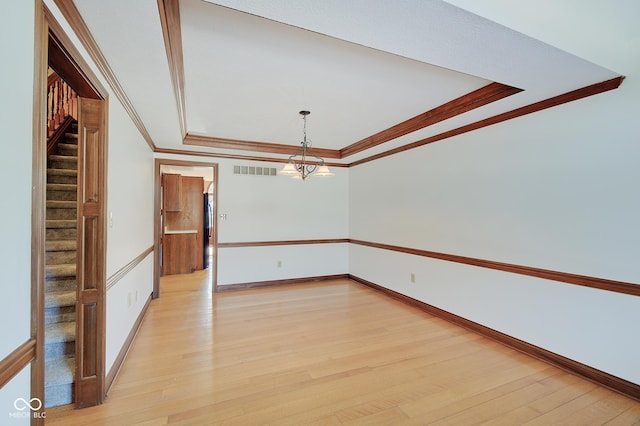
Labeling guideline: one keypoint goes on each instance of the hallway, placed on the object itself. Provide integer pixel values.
(329, 353)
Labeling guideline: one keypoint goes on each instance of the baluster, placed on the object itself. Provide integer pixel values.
(50, 111)
(56, 108)
(74, 105)
(62, 101)
(60, 111)
(65, 98)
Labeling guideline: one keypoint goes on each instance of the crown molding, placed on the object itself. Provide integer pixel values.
(573, 95)
(271, 148)
(470, 101)
(236, 156)
(170, 21)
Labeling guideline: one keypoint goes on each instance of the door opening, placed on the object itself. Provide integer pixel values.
(185, 219)
(71, 193)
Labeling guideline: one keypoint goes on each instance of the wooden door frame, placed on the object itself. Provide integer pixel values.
(156, 219)
(78, 75)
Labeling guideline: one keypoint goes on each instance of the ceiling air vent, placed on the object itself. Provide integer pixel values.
(256, 171)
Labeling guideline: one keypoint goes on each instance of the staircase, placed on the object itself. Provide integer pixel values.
(61, 255)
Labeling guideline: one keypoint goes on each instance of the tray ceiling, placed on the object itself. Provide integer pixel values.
(229, 77)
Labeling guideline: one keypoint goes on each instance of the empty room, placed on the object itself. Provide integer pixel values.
(320, 212)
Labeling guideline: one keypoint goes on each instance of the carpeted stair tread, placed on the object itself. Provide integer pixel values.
(60, 332)
(60, 271)
(61, 223)
(57, 271)
(61, 284)
(59, 314)
(61, 258)
(56, 299)
(62, 172)
(66, 158)
(55, 396)
(57, 204)
(61, 210)
(61, 245)
(59, 350)
(69, 176)
(59, 371)
(63, 161)
(61, 186)
(68, 147)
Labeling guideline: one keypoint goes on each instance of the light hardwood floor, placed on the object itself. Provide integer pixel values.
(330, 353)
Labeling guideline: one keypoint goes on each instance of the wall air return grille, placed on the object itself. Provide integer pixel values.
(256, 171)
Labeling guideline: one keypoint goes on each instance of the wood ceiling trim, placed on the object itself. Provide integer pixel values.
(272, 148)
(472, 100)
(170, 19)
(69, 71)
(574, 95)
(236, 156)
(172, 32)
(483, 96)
(73, 17)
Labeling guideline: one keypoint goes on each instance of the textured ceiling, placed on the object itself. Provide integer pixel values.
(359, 66)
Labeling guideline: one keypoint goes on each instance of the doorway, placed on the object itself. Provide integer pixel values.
(209, 193)
(69, 226)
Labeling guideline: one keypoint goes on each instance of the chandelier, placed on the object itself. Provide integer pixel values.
(298, 166)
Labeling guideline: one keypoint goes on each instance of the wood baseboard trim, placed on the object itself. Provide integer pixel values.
(277, 283)
(13, 363)
(283, 243)
(117, 364)
(607, 380)
(581, 280)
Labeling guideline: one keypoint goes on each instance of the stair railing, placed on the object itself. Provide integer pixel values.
(62, 110)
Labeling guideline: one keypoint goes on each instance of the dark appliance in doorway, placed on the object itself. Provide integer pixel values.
(207, 222)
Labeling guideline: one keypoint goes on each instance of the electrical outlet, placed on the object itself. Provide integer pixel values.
(413, 277)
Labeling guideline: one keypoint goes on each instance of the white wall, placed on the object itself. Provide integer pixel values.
(130, 191)
(277, 208)
(130, 232)
(260, 208)
(253, 264)
(125, 301)
(556, 189)
(16, 388)
(16, 120)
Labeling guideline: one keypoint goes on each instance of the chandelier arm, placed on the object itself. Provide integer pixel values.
(299, 160)
(320, 159)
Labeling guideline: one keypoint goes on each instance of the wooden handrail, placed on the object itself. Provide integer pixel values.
(58, 135)
(62, 102)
